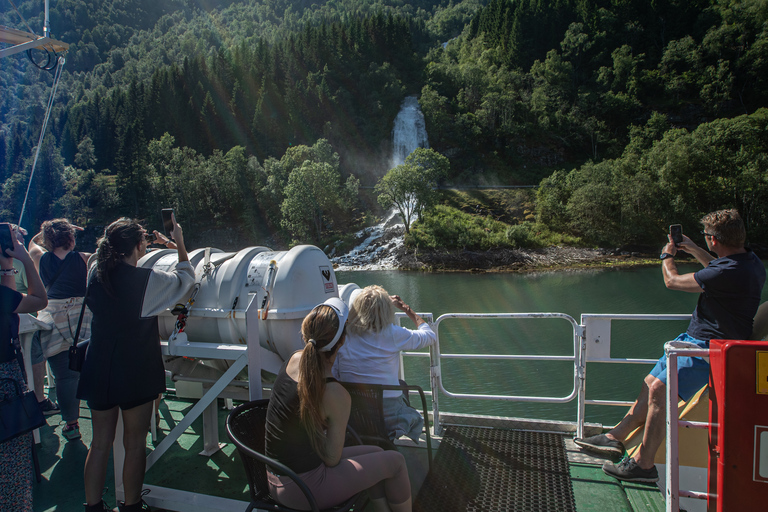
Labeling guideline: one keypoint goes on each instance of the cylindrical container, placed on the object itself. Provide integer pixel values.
(286, 285)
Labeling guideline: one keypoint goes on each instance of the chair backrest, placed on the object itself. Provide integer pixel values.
(367, 414)
(246, 425)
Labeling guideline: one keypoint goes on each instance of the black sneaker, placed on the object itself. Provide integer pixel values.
(601, 445)
(49, 407)
(629, 471)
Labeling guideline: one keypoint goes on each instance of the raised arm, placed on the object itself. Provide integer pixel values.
(399, 304)
(702, 255)
(672, 278)
(36, 249)
(36, 297)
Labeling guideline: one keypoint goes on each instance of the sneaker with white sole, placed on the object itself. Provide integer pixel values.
(629, 471)
(71, 432)
(601, 445)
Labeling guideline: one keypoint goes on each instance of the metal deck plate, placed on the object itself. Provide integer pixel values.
(479, 469)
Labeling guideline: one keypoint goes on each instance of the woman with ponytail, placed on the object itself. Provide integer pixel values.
(123, 368)
(306, 426)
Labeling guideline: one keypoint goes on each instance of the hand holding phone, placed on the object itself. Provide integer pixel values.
(676, 233)
(167, 214)
(6, 239)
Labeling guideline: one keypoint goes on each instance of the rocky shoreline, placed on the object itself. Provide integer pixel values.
(382, 248)
(520, 260)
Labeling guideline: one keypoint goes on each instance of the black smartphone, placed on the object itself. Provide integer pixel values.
(676, 232)
(151, 237)
(167, 214)
(6, 237)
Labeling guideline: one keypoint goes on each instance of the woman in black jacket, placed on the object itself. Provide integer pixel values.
(123, 368)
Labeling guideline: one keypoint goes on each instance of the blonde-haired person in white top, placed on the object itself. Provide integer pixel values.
(371, 353)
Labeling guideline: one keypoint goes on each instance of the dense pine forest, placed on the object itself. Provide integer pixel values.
(273, 118)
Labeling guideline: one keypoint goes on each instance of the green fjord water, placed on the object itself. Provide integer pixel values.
(624, 291)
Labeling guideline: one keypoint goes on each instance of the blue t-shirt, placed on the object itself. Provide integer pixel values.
(9, 321)
(731, 294)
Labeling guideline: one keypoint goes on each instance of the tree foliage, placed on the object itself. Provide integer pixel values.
(410, 187)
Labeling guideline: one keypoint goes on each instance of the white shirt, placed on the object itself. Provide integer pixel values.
(374, 357)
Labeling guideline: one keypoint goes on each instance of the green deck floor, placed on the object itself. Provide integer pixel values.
(61, 489)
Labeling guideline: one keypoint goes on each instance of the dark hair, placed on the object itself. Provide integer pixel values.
(726, 226)
(119, 240)
(318, 330)
(57, 233)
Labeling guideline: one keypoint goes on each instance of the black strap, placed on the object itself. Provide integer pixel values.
(82, 312)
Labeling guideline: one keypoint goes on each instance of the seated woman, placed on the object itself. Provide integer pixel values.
(371, 353)
(306, 425)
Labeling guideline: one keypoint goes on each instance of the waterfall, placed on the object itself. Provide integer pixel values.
(409, 131)
(378, 244)
(376, 251)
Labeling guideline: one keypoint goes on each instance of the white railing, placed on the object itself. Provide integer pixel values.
(674, 349)
(591, 343)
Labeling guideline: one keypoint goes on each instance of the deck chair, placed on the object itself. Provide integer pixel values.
(246, 426)
(367, 414)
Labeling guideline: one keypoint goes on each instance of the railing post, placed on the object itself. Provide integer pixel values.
(434, 378)
(672, 459)
(581, 371)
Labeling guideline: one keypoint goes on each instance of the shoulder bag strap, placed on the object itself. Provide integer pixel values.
(82, 312)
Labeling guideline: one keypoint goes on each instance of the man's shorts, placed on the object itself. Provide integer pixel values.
(692, 372)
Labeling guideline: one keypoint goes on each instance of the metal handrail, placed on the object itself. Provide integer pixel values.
(436, 358)
(580, 357)
(674, 349)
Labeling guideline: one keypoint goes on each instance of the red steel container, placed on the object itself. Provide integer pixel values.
(738, 432)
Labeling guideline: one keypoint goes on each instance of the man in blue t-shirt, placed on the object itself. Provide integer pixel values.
(729, 289)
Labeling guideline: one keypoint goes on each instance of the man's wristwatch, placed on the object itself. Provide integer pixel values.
(666, 255)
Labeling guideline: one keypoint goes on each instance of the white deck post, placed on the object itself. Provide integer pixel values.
(672, 460)
(254, 349)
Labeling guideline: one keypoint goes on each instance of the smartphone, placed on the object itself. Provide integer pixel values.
(6, 238)
(167, 214)
(151, 237)
(676, 232)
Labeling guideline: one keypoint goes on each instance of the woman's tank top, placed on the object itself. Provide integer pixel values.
(71, 281)
(287, 441)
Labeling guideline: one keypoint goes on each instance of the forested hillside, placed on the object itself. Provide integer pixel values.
(633, 113)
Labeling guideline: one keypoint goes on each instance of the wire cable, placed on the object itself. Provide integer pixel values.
(56, 78)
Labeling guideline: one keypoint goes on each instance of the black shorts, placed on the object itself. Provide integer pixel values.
(124, 406)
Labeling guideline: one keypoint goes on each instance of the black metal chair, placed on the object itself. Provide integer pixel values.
(367, 414)
(246, 426)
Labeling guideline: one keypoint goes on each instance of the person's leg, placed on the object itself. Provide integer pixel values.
(636, 416)
(400, 419)
(66, 387)
(95, 473)
(655, 423)
(376, 471)
(136, 427)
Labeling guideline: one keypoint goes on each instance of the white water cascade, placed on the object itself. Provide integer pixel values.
(377, 249)
(409, 131)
